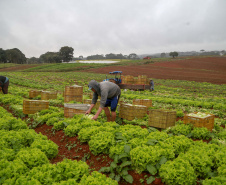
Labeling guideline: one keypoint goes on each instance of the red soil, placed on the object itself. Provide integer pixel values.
(18, 68)
(209, 69)
(82, 151)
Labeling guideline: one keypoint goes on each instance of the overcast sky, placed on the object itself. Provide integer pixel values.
(112, 26)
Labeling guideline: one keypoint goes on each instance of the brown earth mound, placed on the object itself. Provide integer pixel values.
(209, 69)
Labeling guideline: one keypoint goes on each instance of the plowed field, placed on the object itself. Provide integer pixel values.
(209, 69)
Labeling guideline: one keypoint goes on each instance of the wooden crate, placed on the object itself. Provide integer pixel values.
(128, 79)
(74, 90)
(130, 112)
(46, 95)
(207, 122)
(33, 106)
(145, 102)
(142, 76)
(142, 79)
(34, 93)
(162, 118)
(89, 101)
(71, 109)
(77, 98)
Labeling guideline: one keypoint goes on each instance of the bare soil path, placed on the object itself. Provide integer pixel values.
(209, 69)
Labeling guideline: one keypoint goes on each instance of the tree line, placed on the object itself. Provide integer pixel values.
(112, 56)
(65, 54)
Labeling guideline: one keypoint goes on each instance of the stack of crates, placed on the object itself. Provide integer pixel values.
(34, 93)
(162, 118)
(33, 106)
(73, 93)
(130, 112)
(145, 102)
(142, 79)
(71, 109)
(207, 121)
(128, 79)
(47, 95)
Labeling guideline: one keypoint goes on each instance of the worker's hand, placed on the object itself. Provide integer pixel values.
(95, 117)
(88, 112)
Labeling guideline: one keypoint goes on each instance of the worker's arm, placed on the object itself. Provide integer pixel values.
(90, 108)
(97, 113)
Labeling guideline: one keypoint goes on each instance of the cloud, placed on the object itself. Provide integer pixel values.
(104, 26)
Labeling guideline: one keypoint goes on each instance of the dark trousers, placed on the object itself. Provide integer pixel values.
(5, 87)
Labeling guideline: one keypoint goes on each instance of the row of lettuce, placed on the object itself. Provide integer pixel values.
(181, 105)
(170, 154)
(164, 153)
(24, 158)
(57, 81)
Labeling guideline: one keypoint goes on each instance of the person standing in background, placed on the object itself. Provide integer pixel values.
(152, 85)
(4, 84)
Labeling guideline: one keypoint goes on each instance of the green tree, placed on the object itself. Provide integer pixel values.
(173, 54)
(3, 58)
(15, 56)
(66, 53)
(50, 57)
(133, 56)
(163, 55)
(33, 60)
(95, 57)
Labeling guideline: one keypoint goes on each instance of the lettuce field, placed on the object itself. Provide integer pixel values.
(48, 148)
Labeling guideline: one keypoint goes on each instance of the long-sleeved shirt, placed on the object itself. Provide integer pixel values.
(105, 90)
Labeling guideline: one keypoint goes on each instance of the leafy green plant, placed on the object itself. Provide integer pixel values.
(200, 133)
(101, 142)
(180, 129)
(144, 156)
(119, 167)
(177, 172)
(46, 146)
(32, 157)
(199, 160)
(214, 180)
(97, 178)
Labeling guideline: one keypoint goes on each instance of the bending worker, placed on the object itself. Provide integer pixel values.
(109, 93)
(4, 84)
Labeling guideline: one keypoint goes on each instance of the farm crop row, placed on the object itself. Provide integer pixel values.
(131, 148)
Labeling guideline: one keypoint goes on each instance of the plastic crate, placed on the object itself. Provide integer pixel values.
(130, 112)
(33, 106)
(46, 95)
(71, 109)
(145, 102)
(128, 79)
(207, 122)
(74, 90)
(34, 93)
(77, 98)
(162, 118)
